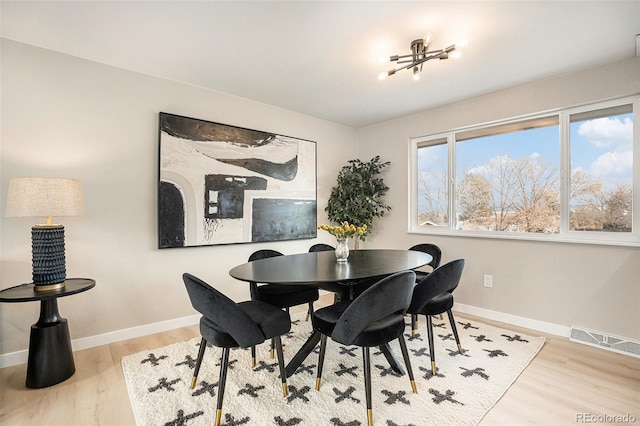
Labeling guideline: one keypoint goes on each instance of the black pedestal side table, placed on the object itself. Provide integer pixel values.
(50, 355)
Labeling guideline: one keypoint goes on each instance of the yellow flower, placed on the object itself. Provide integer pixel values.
(345, 230)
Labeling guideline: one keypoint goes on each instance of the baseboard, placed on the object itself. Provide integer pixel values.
(20, 357)
(542, 326)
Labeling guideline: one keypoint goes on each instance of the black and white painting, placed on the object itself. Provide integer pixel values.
(221, 184)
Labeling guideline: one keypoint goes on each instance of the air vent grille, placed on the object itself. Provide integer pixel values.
(601, 340)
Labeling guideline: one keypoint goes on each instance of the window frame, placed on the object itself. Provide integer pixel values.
(565, 234)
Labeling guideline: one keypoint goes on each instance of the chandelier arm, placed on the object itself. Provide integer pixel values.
(436, 54)
(419, 56)
(399, 58)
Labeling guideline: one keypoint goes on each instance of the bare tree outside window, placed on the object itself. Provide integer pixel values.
(508, 176)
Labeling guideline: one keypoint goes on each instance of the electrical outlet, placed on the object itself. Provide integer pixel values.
(488, 281)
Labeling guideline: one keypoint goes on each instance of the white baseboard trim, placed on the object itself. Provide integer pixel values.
(542, 326)
(20, 357)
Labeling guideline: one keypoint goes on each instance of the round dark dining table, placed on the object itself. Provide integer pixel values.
(317, 268)
(322, 267)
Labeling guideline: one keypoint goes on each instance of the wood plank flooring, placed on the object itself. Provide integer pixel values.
(564, 384)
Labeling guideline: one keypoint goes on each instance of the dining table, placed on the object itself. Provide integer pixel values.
(323, 270)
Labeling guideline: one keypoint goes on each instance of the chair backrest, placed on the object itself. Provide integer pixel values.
(263, 254)
(390, 295)
(321, 247)
(257, 255)
(222, 311)
(431, 249)
(442, 279)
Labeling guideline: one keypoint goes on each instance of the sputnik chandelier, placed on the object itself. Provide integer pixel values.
(420, 54)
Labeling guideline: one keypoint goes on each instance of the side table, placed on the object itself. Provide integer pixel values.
(50, 355)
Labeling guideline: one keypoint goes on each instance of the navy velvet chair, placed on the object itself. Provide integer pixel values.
(433, 296)
(227, 325)
(374, 318)
(436, 256)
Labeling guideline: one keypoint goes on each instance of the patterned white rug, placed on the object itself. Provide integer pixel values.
(463, 390)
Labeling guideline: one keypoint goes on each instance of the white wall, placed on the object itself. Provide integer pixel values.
(592, 286)
(67, 117)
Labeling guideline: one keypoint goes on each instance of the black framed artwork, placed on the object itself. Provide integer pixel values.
(221, 184)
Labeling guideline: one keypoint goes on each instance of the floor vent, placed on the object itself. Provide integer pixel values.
(605, 341)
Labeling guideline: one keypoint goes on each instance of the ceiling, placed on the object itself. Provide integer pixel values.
(321, 58)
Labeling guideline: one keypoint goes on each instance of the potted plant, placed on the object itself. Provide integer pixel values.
(357, 197)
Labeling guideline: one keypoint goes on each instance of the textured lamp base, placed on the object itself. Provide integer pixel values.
(48, 260)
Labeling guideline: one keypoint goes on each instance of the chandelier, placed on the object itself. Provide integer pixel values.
(420, 54)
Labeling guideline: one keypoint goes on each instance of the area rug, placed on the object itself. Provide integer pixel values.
(464, 388)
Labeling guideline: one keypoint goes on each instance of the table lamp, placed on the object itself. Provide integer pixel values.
(46, 197)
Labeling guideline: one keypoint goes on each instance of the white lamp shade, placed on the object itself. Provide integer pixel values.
(44, 197)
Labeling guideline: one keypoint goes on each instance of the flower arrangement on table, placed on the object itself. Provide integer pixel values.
(346, 230)
(343, 233)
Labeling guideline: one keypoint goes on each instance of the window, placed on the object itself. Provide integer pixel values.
(566, 175)
(601, 170)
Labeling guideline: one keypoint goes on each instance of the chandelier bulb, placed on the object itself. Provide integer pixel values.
(416, 74)
(461, 44)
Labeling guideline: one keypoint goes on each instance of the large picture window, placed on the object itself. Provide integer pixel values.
(567, 175)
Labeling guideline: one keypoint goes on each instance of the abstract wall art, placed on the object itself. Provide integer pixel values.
(221, 184)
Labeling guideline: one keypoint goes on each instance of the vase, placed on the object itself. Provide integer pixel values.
(342, 249)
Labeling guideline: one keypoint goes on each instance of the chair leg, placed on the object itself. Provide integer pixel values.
(407, 362)
(253, 357)
(224, 364)
(283, 374)
(455, 330)
(309, 311)
(414, 325)
(432, 352)
(323, 349)
(273, 348)
(367, 384)
(203, 346)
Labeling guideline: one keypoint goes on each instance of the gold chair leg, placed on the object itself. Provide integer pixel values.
(218, 416)
(370, 417)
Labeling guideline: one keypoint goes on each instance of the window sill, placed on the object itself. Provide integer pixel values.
(630, 241)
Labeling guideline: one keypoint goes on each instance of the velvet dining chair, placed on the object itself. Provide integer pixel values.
(436, 255)
(227, 324)
(433, 296)
(280, 295)
(336, 288)
(321, 247)
(374, 318)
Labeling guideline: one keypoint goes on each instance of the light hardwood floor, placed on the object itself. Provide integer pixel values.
(565, 381)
